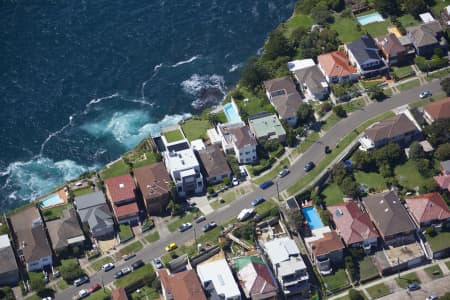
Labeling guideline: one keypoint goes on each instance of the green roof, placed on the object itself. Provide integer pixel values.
(266, 126)
(240, 262)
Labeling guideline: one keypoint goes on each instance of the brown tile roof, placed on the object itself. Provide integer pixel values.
(443, 181)
(425, 34)
(336, 64)
(428, 207)
(286, 103)
(390, 44)
(391, 128)
(329, 243)
(121, 188)
(153, 180)
(214, 161)
(439, 109)
(283, 83)
(182, 285)
(242, 136)
(63, 229)
(388, 213)
(119, 294)
(353, 225)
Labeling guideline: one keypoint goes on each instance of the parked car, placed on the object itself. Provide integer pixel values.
(245, 214)
(425, 94)
(200, 219)
(82, 280)
(209, 226)
(266, 184)
(118, 274)
(137, 264)
(327, 150)
(184, 227)
(432, 297)
(158, 263)
(171, 246)
(413, 287)
(242, 171)
(94, 288)
(83, 293)
(283, 172)
(257, 201)
(107, 267)
(129, 256)
(235, 181)
(309, 166)
(126, 270)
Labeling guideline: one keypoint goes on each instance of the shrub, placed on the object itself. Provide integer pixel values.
(430, 231)
(340, 111)
(355, 295)
(210, 190)
(70, 270)
(326, 107)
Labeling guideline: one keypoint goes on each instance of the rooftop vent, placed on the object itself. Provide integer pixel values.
(339, 212)
(381, 201)
(386, 209)
(121, 185)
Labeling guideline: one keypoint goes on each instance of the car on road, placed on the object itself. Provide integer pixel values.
(83, 293)
(257, 201)
(185, 227)
(432, 297)
(309, 166)
(209, 226)
(245, 214)
(158, 263)
(171, 246)
(126, 270)
(327, 150)
(129, 256)
(266, 184)
(47, 298)
(94, 288)
(118, 274)
(413, 287)
(137, 264)
(235, 181)
(107, 267)
(283, 172)
(200, 219)
(425, 94)
(82, 280)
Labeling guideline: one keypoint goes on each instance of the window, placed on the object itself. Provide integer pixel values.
(247, 152)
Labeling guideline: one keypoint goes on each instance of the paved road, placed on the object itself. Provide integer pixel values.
(436, 287)
(315, 153)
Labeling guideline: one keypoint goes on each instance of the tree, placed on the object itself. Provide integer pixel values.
(338, 90)
(277, 45)
(234, 165)
(445, 85)
(362, 160)
(213, 119)
(430, 231)
(390, 154)
(414, 7)
(340, 111)
(376, 93)
(439, 132)
(305, 113)
(443, 152)
(428, 186)
(70, 270)
(424, 167)
(416, 151)
(174, 207)
(253, 74)
(321, 14)
(387, 7)
(325, 216)
(227, 180)
(7, 293)
(350, 187)
(355, 295)
(338, 173)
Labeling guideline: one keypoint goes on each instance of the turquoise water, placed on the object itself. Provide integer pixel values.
(312, 217)
(231, 113)
(372, 18)
(52, 200)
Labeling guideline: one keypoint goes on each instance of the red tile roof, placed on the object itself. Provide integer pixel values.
(119, 294)
(443, 181)
(182, 285)
(439, 109)
(428, 207)
(353, 225)
(126, 210)
(336, 64)
(329, 243)
(120, 188)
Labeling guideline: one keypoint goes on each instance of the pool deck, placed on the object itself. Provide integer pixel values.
(61, 193)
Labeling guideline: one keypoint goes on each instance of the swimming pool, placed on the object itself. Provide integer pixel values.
(51, 200)
(371, 18)
(312, 217)
(231, 113)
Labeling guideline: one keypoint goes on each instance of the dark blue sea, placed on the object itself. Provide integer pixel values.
(84, 81)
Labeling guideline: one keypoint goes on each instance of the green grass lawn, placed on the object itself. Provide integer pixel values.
(367, 269)
(408, 85)
(152, 237)
(434, 272)
(195, 129)
(134, 276)
(265, 206)
(97, 265)
(273, 173)
(131, 248)
(353, 105)
(378, 291)
(408, 176)
(173, 136)
(372, 180)
(116, 169)
(377, 28)
(82, 191)
(125, 231)
(440, 241)
(99, 294)
(228, 197)
(298, 21)
(331, 121)
(332, 194)
(439, 6)
(408, 20)
(337, 280)
(145, 293)
(401, 72)
(346, 28)
(173, 226)
(255, 104)
(369, 84)
(438, 74)
(150, 158)
(55, 212)
(406, 279)
(62, 284)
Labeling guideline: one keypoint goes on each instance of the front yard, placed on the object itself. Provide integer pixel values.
(440, 241)
(434, 272)
(367, 269)
(406, 279)
(337, 280)
(125, 232)
(178, 221)
(379, 290)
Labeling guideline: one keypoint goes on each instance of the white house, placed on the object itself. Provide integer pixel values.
(238, 138)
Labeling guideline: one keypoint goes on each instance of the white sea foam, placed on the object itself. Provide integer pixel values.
(208, 89)
(234, 67)
(193, 58)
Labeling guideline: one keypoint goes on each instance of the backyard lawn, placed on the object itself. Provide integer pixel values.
(82, 191)
(298, 21)
(372, 180)
(150, 158)
(145, 293)
(440, 241)
(367, 269)
(378, 291)
(408, 20)
(337, 280)
(406, 279)
(332, 194)
(346, 28)
(97, 265)
(173, 136)
(116, 169)
(408, 176)
(195, 129)
(55, 212)
(434, 272)
(377, 28)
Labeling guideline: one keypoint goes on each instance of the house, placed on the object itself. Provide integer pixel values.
(215, 165)
(365, 56)
(288, 266)
(393, 50)
(238, 139)
(94, 212)
(445, 167)
(353, 226)
(443, 181)
(121, 193)
(284, 97)
(255, 278)
(426, 38)
(325, 248)
(9, 272)
(266, 126)
(438, 110)
(154, 185)
(398, 129)
(119, 294)
(217, 280)
(30, 239)
(336, 67)
(390, 218)
(184, 169)
(428, 209)
(312, 82)
(65, 232)
(181, 285)
(445, 16)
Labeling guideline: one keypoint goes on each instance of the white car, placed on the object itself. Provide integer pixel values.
(126, 270)
(83, 293)
(235, 181)
(107, 267)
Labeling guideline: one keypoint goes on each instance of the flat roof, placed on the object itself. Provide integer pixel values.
(266, 126)
(299, 64)
(219, 273)
(181, 160)
(281, 249)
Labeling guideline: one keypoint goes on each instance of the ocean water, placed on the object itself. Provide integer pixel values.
(83, 81)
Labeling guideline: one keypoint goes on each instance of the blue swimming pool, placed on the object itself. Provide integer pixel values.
(51, 200)
(231, 113)
(312, 217)
(371, 18)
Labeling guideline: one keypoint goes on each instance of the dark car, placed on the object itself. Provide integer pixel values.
(327, 150)
(209, 226)
(413, 287)
(425, 94)
(266, 184)
(129, 256)
(309, 166)
(82, 280)
(137, 264)
(118, 274)
(200, 219)
(257, 201)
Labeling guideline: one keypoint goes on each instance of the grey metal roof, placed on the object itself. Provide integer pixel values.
(90, 200)
(445, 165)
(312, 78)
(63, 229)
(7, 258)
(364, 49)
